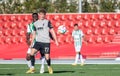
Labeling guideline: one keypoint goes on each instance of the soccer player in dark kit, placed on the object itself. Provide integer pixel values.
(43, 28)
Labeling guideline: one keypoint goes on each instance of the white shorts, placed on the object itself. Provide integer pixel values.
(29, 49)
(78, 48)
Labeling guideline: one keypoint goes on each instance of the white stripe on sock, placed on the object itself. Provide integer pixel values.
(29, 63)
(76, 58)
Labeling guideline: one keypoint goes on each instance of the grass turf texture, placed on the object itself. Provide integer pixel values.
(62, 70)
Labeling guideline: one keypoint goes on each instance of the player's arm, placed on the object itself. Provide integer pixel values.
(33, 36)
(84, 38)
(28, 36)
(53, 33)
(72, 35)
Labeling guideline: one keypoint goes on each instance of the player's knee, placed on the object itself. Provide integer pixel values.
(28, 57)
(42, 55)
(47, 57)
(33, 51)
(77, 52)
(32, 58)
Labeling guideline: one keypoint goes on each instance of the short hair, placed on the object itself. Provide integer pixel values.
(34, 14)
(43, 11)
(75, 25)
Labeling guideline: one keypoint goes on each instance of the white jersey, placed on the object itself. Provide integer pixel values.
(30, 28)
(77, 35)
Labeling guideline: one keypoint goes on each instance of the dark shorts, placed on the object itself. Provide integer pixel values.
(43, 47)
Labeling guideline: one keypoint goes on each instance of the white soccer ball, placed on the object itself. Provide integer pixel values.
(62, 29)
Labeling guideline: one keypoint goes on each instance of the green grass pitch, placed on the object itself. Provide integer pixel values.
(63, 70)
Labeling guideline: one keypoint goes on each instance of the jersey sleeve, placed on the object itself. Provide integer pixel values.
(50, 25)
(28, 29)
(73, 34)
(82, 34)
(34, 28)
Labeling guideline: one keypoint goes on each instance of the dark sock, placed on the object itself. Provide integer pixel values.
(32, 60)
(49, 62)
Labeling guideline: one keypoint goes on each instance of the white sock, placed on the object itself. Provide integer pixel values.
(81, 59)
(48, 66)
(42, 63)
(76, 58)
(29, 63)
(32, 67)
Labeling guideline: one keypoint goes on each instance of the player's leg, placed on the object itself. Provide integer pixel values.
(28, 58)
(32, 62)
(32, 58)
(47, 56)
(46, 50)
(77, 50)
(81, 59)
(81, 56)
(42, 63)
(76, 58)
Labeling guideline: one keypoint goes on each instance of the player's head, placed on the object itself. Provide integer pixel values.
(35, 17)
(42, 14)
(76, 27)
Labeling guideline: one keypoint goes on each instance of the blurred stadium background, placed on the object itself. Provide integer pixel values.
(99, 20)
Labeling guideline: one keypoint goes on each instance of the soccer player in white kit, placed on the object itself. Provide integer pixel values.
(77, 35)
(31, 61)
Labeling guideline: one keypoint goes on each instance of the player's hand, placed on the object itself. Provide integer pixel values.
(56, 42)
(86, 43)
(30, 46)
(28, 42)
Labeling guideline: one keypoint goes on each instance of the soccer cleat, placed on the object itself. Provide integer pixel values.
(50, 70)
(74, 64)
(42, 70)
(30, 71)
(82, 64)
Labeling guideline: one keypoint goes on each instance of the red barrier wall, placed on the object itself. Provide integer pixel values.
(102, 32)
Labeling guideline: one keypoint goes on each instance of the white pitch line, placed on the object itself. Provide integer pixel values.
(70, 68)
